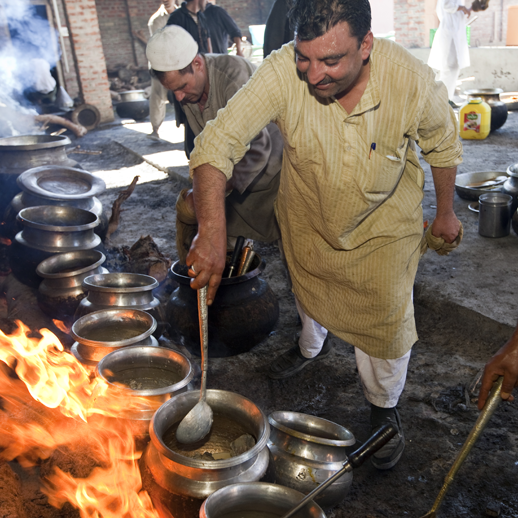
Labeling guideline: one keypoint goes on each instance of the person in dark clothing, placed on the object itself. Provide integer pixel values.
(191, 18)
(221, 27)
(277, 31)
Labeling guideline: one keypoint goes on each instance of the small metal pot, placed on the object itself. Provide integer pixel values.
(257, 499)
(122, 290)
(136, 109)
(61, 290)
(58, 229)
(140, 379)
(305, 451)
(197, 478)
(133, 95)
(494, 216)
(105, 331)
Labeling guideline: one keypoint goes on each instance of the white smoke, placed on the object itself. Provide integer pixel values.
(27, 37)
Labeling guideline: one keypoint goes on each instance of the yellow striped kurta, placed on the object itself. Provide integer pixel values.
(351, 220)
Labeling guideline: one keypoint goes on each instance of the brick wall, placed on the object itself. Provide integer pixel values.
(89, 56)
(413, 20)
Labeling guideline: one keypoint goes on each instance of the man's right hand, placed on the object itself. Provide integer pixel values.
(208, 251)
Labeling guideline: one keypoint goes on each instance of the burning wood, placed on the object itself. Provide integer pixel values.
(77, 129)
(145, 257)
(49, 411)
(113, 223)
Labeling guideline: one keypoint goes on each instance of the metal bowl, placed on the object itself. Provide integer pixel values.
(71, 265)
(33, 142)
(58, 229)
(133, 95)
(462, 181)
(60, 183)
(511, 99)
(256, 498)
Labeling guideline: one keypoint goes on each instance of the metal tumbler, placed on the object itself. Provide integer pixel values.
(494, 217)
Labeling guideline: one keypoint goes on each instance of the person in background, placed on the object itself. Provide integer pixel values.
(190, 16)
(222, 28)
(350, 108)
(503, 363)
(203, 84)
(158, 96)
(450, 52)
(277, 31)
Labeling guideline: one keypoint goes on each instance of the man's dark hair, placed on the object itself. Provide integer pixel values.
(159, 74)
(311, 19)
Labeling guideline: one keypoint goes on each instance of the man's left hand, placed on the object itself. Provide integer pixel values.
(446, 226)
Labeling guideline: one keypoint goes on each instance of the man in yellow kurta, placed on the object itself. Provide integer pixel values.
(350, 108)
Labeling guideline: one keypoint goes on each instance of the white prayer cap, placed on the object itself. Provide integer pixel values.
(171, 48)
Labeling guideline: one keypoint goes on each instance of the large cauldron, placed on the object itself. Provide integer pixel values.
(492, 97)
(244, 312)
(198, 478)
(134, 105)
(17, 154)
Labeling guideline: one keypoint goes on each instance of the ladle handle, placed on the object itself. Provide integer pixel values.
(204, 337)
(356, 459)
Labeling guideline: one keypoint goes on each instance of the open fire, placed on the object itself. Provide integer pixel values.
(50, 403)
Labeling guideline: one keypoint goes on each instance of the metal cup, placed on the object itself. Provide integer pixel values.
(494, 217)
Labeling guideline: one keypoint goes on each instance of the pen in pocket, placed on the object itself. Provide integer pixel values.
(373, 148)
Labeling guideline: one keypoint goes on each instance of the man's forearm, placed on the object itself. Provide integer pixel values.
(239, 46)
(444, 182)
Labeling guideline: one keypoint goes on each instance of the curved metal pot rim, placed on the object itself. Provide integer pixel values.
(91, 282)
(23, 142)
(273, 420)
(162, 449)
(225, 281)
(69, 256)
(512, 170)
(24, 215)
(30, 181)
(94, 241)
(119, 343)
(484, 91)
(155, 352)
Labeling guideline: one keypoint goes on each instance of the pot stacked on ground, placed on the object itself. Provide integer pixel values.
(133, 105)
(123, 291)
(492, 97)
(102, 332)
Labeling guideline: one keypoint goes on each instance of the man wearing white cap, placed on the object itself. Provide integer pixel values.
(203, 84)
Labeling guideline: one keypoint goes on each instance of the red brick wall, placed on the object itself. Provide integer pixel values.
(88, 50)
(409, 24)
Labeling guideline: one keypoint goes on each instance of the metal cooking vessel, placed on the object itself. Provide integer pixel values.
(122, 290)
(257, 499)
(472, 193)
(133, 95)
(102, 332)
(198, 478)
(146, 375)
(58, 229)
(61, 290)
(492, 97)
(305, 451)
(17, 154)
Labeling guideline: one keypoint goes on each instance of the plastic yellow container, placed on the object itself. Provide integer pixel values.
(475, 119)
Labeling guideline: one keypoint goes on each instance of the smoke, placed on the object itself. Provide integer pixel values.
(24, 36)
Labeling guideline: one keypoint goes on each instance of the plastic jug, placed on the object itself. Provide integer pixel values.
(475, 119)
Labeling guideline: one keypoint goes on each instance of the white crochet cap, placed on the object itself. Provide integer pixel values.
(171, 48)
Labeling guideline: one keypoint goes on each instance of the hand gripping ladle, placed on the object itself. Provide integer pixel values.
(198, 422)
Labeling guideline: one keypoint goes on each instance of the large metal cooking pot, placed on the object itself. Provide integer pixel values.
(122, 290)
(61, 290)
(198, 478)
(105, 331)
(133, 105)
(58, 229)
(244, 312)
(464, 181)
(305, 451)
(17, 154)
(133, 95)
(258, 499)
(492, 97)
(140, 379)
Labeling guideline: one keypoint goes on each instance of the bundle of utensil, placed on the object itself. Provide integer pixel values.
(242, 257)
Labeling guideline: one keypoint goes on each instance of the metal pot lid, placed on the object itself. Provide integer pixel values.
(61, 183)
(33, 142)
(484, 91)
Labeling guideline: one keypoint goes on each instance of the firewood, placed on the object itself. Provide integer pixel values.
(113, 223)
(77, 129)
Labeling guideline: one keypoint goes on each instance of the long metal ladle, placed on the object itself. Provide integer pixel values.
(198, 422)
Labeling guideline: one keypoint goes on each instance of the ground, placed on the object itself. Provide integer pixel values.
(438, 406)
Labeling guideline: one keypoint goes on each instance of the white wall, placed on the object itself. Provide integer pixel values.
(382, 16)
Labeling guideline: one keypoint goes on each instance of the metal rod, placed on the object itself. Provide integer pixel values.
(58, 21)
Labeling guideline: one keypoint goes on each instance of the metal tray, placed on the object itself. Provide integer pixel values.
(511, 99)
(462, 181)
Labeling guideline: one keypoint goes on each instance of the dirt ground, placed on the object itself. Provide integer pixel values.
(438, 406)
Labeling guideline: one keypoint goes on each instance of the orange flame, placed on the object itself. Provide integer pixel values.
(4, 240)
(50, 402)
(61, 326)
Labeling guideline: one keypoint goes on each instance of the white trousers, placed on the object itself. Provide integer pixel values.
(450, 73)
(383, 381)
(157, 102)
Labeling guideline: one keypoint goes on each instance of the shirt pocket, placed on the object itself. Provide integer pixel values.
(382, 169)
